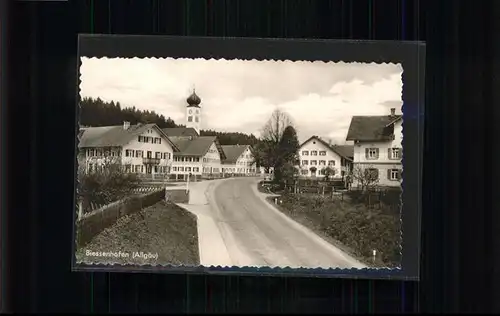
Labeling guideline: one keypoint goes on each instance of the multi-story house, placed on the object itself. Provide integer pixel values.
(198, 157)
(317, 155)
(143, 148)
(378, 146)
(239, 160)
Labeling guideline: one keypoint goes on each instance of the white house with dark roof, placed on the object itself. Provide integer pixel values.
(142, 148)
(200, 157)
(239, 160)
(378, 146)
(316, 155)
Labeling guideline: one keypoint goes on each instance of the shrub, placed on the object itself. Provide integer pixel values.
(108, 185)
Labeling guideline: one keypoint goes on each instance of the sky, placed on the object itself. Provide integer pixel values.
(239, 96)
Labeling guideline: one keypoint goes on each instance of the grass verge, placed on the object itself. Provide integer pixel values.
(351, 226)
(164, 229)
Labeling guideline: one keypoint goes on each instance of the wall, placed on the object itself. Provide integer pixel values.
(191, 164)
(95, 222)
(164, 147)
(318, 146)
(212, 160)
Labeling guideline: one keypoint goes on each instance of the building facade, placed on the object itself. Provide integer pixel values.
(143, 149)
(197, 158)
(378, 148)
(319, 158)
(239, 161)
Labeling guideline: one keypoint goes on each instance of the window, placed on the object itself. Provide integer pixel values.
(137, 168)
(197, 159)
(394, 174)
(139, 139)
(190, 118)
(371, 174)
(305, 153)
(371, 153)
(331, 163)
(188, 168)
(138, 153)
(305, 162)
(196, 169)
(322, 162)
(314, 162)
(196, 119)
(394, 153)
(156, 169)
(142, 169)
(314, 152)
(322, 153)
(181, 168)
(174, 168)
(157, 155)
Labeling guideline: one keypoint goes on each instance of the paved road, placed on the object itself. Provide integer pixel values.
(257, 234)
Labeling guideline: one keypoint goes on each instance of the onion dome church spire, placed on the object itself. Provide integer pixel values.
(193, 100)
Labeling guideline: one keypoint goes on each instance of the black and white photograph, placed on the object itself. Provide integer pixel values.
(239, 163)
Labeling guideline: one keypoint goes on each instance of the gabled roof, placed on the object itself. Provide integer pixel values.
(344, 151)
(233, 152)
(180, 131)
(372, 128)
(115, 136)
(198, 146)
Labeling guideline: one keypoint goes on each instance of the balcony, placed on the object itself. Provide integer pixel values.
(151, 161)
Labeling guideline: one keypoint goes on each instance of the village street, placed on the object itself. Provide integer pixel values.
(238, 227)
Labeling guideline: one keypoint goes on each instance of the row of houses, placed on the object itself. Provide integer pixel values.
(181, 152)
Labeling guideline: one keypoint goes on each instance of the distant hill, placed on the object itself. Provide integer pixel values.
(96, 112)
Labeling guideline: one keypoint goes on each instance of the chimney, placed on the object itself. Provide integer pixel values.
(393, 111)
(329, 142)
(126, 125)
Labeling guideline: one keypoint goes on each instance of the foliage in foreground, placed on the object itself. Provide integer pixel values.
(107, 186)
(360, 229)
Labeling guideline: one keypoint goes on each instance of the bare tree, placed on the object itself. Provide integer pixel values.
(365, 177)
(275, 126)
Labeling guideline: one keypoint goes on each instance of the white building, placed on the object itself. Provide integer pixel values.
(239, 160)
(317, 155)
(143, 148)
(198, 157)
(378, 146)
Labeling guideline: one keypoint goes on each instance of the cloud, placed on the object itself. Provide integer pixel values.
(241, 95)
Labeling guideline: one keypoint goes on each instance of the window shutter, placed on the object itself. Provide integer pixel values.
(389, 174)
(389, 153)
(399, 174)
(366, 153)
(377, 152)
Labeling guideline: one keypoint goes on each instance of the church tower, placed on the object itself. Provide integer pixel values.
(193, 112)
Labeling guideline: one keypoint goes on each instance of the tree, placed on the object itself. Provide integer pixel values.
(287, 154)
(275, 126)
(272, 150)
(328, 173)
(105, 183)
(365, 176)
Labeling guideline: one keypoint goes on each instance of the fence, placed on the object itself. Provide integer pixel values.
(147, 189)
(91, 224)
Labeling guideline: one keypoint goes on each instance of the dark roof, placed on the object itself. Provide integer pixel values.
(345, 151)
(233, 152)
(180, 131)
(197, 146)
(115, 136)
(193, 100)
(372, 128)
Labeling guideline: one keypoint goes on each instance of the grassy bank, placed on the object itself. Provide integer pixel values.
(350, 225)
(164, 229)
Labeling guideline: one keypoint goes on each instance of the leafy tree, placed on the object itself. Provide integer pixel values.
(287, 153)
(273, 151)
(328, 173)
(105, 185)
